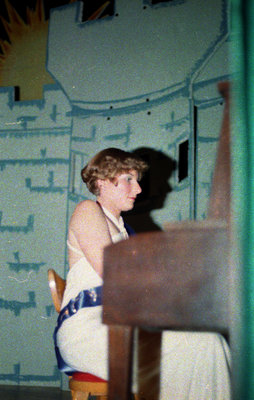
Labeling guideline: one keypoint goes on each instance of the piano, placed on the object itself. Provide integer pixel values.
(176, 279)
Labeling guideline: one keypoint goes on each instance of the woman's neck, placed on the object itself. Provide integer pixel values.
(111, 208)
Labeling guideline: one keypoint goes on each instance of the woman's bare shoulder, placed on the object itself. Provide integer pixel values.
(86, 206)
(86, 212)
(88, 228)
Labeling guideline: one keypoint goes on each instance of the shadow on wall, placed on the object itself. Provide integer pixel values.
(155, 188)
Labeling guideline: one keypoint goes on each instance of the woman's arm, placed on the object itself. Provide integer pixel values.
(89, 227)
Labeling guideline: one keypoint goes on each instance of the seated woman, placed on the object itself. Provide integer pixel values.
(193, 365)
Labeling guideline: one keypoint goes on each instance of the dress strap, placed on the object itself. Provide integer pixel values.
(119, 224)
(77, 251)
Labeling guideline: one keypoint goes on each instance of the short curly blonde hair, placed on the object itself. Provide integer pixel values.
(108, 164)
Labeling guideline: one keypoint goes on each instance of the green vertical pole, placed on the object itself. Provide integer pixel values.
(242, 123)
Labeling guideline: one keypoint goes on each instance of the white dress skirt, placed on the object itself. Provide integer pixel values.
(194, 365)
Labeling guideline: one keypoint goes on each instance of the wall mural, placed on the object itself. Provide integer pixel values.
(23, 42)
(76, 77)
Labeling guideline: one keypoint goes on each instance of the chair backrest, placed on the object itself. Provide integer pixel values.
(57, 286)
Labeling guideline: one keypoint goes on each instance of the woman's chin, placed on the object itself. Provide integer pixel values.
(128, 207)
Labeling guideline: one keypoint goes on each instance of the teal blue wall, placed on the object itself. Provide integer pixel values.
(143, 78)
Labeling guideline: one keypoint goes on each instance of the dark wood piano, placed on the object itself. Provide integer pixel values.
(176, 279)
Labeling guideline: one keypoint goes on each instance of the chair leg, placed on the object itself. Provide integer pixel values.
(77, 395)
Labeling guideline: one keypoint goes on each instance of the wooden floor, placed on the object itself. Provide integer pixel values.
(32, 393)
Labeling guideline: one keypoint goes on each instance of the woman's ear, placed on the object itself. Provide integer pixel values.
(103, 184)
(115, 181)
(100, 184)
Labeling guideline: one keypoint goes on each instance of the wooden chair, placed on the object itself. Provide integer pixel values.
(82, 385)
(177, 279)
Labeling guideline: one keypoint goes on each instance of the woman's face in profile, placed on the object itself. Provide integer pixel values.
(123, 191)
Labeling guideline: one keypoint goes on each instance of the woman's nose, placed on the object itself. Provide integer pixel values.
(138, 188)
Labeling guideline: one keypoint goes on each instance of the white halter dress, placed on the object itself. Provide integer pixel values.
(82, 338)
(194, 366)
